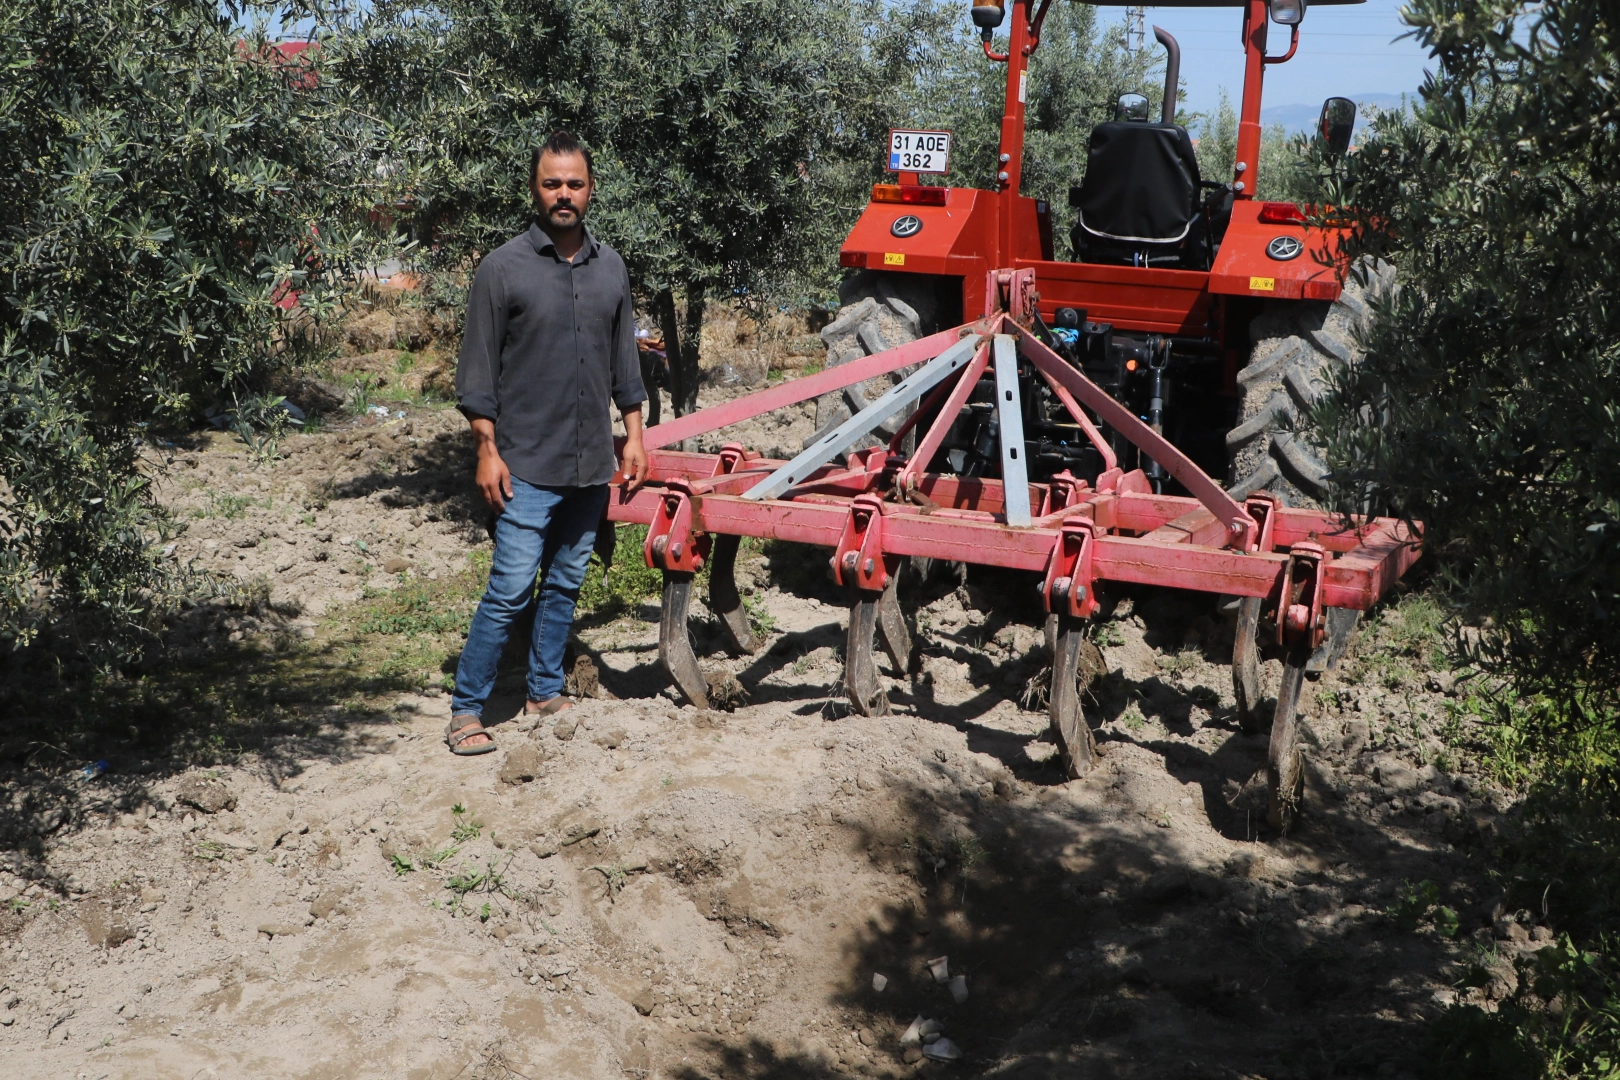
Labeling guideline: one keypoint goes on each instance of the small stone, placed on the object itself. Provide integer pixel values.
(206, 793)
(879, 981)
(566, 726)
(644, 1002)
(959, 990)
(328, 904)
(912, 1055)
(1541, 933)
(866, 1036)
(1246, 864)
(942, 1050)
(544, 848)
(611, 739)
(396, 565)
(1503, 980)
(520, 765)
(940, 968)
(584, 829)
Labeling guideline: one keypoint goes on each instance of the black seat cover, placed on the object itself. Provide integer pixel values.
(1141, 184)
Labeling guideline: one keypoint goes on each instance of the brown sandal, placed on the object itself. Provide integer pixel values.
(455, 737)
(550, 706)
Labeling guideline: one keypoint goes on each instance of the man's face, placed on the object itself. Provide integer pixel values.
(562, 188)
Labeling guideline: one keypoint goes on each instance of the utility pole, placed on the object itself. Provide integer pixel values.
(1135, 29)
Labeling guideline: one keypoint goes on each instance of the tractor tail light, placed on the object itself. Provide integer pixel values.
(1281, 213)
(1321, 290)
(915, 194)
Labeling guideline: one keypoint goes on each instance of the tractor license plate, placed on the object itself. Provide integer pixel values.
(919, 151)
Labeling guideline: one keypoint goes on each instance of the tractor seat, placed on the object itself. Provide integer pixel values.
(1139, 199)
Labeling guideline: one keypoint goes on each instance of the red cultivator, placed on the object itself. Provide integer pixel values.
(1300, 573)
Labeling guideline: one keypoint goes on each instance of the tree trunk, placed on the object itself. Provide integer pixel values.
(669, 323)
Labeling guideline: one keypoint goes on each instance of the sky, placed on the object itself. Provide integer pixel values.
(1349, 51)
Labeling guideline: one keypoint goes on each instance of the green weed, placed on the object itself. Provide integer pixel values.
(228, 506)
(401, 864)
(463, 830)
(1419, 904)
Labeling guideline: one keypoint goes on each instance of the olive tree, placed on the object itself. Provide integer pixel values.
(721, 132)
(166, 196)
(1488, 405)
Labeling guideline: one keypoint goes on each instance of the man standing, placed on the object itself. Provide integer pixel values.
(550, 338)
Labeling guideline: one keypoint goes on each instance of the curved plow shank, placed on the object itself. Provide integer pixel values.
(725, 601)
(861, 682)
(1069, 728)
(1285, 773)
(891, 623)
(1246, 664)
(675, 645)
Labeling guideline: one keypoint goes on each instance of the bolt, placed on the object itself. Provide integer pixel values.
(869, 566)
(676, 550)
(1002, 176)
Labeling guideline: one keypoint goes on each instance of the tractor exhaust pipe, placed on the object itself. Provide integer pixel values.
(1172, 73)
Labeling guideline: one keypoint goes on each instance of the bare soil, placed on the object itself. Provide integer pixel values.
(643, 889)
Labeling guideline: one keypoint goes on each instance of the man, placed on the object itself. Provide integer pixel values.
(550, 338)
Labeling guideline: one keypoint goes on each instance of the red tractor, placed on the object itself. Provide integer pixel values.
(986, 403)
(1210, 313)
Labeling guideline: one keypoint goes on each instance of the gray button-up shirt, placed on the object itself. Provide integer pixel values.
(547, 343)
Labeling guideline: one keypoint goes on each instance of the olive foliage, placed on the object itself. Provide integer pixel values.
(1488, 405)
(165, 180)
(722, 133)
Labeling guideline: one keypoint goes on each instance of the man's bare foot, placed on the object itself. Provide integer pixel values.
(550, 705)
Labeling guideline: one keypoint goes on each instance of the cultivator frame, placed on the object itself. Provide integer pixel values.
(1292, 568)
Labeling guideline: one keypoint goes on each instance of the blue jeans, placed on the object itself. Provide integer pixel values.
(544, 531)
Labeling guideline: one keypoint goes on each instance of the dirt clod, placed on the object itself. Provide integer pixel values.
(205, 793)
(520, 765)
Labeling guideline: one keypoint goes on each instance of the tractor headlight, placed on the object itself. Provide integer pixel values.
(1287, 12)
(987, 14)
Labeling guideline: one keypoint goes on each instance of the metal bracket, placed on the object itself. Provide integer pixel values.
(1068, 583)
(1062, 492)
(671, 544)
(1263, 507)
(732, 457)
(866, 421)
(1012, 291)
(858, 558)
(1299, 607)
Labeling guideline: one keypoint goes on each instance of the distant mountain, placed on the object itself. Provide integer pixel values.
(1303, 117)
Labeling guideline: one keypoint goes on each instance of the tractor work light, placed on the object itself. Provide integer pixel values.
(1281, 213)
(914, 194)
(987, 15)
(1287, 12)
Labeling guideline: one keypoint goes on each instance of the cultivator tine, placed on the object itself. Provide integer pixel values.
(1246, 664)
(1076, 749)
(1285, 774)
(725, 601)
(675, 645)
(891, 623)
(861, 682)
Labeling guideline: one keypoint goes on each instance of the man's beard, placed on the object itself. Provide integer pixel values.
(574, 218)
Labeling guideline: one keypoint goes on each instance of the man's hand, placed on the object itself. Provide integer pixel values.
(494, 479)
(633, 466)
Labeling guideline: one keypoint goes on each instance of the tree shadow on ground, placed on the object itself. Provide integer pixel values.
(1092, 947)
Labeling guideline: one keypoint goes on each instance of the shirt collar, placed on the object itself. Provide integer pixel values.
(543, 245)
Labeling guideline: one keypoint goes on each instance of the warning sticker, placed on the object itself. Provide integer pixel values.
(1262, 284)
(898, 258)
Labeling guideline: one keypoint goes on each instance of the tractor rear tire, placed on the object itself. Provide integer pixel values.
(1297, 347)
(877, 311)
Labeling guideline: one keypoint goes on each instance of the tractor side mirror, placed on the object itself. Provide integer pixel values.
(1132, 107)
(1338, 121)
(1287, 12)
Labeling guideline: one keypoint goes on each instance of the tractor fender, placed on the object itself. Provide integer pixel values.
(1247, 264)
(955, 240)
